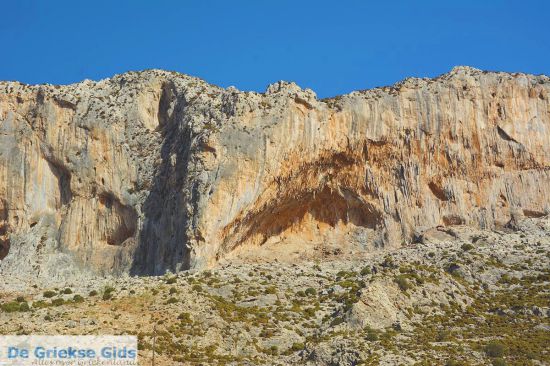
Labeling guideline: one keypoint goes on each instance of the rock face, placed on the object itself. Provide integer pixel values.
(154, 171)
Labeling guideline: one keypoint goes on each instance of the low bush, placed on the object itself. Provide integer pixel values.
(494, 349)
(40, 304)
(10, 307)
(49, 294)
(465, 247)
(78, 298)
(371, 336)
(185, 318)
(365, 271)
(310, 291)
(337, 321)
(108, 293)
(58, 302)
(172, 300)
(24, 306)
(402, 283)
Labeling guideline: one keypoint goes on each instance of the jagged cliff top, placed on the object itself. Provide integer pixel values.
(288, 87)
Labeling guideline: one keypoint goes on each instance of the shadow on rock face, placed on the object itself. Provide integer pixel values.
(163, 238)
(4, 238)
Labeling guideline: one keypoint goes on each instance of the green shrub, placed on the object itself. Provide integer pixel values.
(20, 299)
(49, 294)
(93, 293)
(173, 290)
(271, 290)
(309, 312)
(10, 307)
(499, 362)
(297, 346)
(48, 318)
(108, 293)
(371, 336)
(402, 283)
(343, 274)
(24, 306)
(58, 302)
(40, 304)
(185, 318)
(465, 247)
(388, 262)
(78, 298)
(197, 288)
(494, 349)
(366, 271)
(172, 300)
(310, 291)
(67, 291)
(171, 280)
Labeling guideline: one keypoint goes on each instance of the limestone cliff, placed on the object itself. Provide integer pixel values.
(153, 171)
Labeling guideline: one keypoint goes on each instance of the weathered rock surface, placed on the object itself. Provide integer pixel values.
(154, 171)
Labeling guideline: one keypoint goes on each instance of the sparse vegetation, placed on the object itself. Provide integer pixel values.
(480, 307)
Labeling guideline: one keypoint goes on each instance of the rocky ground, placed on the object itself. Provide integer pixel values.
(458, 296)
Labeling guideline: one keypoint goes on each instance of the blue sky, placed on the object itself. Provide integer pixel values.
(333, 47)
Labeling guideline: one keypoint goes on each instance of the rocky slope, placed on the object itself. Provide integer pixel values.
(154, 171)
(458, 296)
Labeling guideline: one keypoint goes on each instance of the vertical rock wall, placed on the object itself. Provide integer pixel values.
(155, 171)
